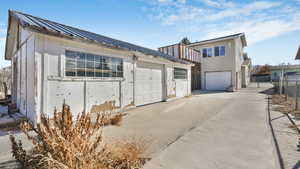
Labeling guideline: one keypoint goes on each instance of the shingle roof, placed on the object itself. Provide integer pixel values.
(39, 24)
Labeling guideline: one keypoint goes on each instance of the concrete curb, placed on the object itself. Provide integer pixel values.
(279, 160)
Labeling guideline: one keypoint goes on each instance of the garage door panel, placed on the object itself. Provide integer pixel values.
(148, 83)
(217, 80)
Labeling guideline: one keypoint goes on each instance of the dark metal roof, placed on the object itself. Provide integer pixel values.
(39, 24)
(219, 38)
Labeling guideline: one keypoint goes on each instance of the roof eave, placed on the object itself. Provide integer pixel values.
(298, 54)
(243, 38)
(56, 34)
(211, 41)
(7, 35)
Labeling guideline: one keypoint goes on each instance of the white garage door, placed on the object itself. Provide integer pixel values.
(148, 83)
(217, 80)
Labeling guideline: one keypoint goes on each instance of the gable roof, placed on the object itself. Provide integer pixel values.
(298, 54)
(46, 26)
(241, 35)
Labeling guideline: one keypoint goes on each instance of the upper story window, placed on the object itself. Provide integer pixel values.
(207, 52)
(219, 50)
(79, 64)
(180, 73)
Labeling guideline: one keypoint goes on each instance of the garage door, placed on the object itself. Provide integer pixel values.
(217, 80)
(148, 83)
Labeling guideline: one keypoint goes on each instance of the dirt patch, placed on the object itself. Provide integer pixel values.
(105, 107)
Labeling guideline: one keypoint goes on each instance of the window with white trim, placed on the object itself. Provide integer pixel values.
(207, 52)
(180, 73)
(79, 64)
(219, 50)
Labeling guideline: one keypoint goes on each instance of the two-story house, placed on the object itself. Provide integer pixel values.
(222, 63)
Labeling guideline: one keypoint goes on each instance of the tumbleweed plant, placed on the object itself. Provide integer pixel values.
(64, 143)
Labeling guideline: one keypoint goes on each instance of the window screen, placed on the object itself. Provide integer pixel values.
(180, 73)
(81, 64)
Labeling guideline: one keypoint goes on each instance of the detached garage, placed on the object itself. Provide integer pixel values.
(149, 83)
(217, 80)
(53, 63)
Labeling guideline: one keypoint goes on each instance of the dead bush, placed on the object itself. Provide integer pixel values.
(278, 99)
(285, 106)
(62, 143)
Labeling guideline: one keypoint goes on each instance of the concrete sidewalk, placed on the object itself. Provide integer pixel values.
(237, 137)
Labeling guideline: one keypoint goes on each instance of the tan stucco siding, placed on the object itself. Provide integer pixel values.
(218, 63)
(239, 61)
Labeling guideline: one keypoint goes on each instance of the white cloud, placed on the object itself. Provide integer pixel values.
(2, 50)
(260, 20)
(2, 29)
(219, 3)
(256, 30)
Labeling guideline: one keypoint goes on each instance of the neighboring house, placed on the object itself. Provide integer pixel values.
(181, 51)
(223, 65)
(223, 62)
(54, 63)
(287, 70)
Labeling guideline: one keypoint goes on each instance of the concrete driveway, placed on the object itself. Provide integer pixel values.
(207, 130)
(236, 137)
(161, 124)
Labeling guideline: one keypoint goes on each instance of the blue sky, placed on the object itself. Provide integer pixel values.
(272, 27)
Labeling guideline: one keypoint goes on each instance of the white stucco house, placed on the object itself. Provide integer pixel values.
(53, 63)
(224, 65)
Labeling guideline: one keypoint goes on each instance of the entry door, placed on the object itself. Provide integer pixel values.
(217, 80)
(148, 83)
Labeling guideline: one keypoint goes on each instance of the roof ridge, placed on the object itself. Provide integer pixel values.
(221, 37)
(80, 29)
(88, 35)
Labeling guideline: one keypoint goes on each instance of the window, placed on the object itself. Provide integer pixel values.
(207, 52)
(204, 52)
(81, 64)
(219, 50)
(180, 73)
(222, 50)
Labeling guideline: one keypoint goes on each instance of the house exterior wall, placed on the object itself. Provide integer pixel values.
(245, 76)
(238, 61)
(276, 73)
(24, 74)
(219, 63)
(231, 62)
(52, 88)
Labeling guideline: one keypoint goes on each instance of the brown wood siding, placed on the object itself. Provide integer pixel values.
(196, 77)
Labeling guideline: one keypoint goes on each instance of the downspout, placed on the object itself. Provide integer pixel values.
(120, 93)
(84, 95)
(134, 59)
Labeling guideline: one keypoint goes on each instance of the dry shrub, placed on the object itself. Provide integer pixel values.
(285, 106)
(109, 119)
(62, 143)
(278, 99)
